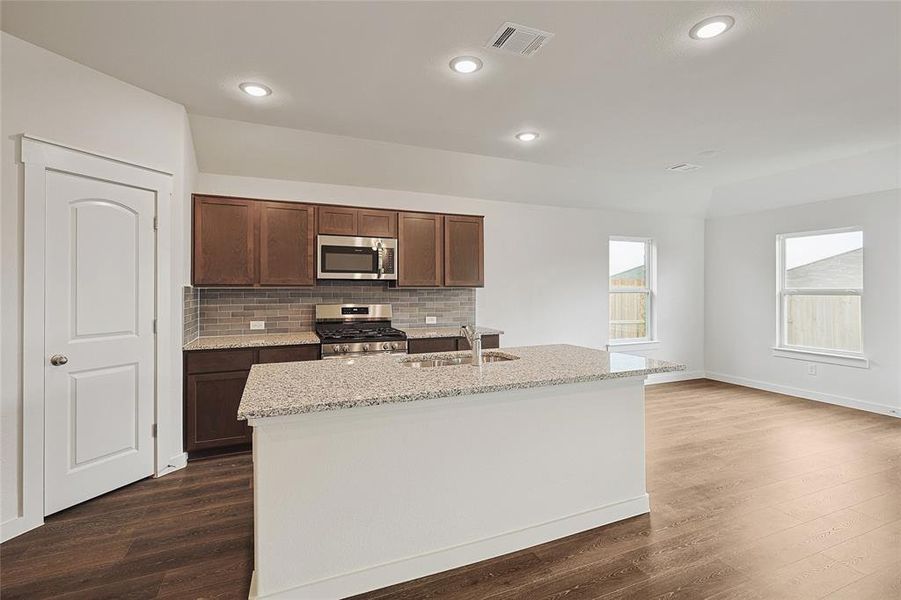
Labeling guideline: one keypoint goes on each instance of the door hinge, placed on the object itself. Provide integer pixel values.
(156, 223)
(153, 430)
(154, 327)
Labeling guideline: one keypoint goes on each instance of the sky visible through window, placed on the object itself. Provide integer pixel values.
(625, 255)
(805, 250)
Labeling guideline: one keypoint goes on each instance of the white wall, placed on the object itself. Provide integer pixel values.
(741, 301)
(48, 96)
(545, 267)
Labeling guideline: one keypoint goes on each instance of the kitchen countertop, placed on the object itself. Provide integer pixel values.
(219, 342)
(262, 340)
(301, 387)
(415, 333)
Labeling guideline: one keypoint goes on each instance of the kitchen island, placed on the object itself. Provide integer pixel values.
(373, 471)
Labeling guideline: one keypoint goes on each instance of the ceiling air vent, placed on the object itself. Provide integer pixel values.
(518, 39)
(684, 167)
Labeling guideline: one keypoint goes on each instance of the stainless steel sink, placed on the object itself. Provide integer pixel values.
(488, 357)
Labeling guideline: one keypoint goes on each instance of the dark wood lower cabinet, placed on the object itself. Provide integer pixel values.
(214, 384)
(212, 406)
(488, 341)
(450, 344)
(288, 354)
(423, 345)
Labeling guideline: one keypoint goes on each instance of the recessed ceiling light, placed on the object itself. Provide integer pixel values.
(527, 136)
(466, 64)
(257, 90)
(712, 27)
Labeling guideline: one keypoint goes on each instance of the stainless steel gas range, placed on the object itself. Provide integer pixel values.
(347, 330)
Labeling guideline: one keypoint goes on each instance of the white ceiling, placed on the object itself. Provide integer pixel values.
(620, 93)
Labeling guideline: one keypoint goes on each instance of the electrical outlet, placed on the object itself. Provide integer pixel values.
(431, 320)
(811, 369)
(258, 324)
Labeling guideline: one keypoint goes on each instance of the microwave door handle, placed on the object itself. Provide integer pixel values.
(381, 250)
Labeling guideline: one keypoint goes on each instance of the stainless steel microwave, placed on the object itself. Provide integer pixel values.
(348, 257)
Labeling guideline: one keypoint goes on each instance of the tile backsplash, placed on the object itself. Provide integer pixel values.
(228, 311)
(191, 300)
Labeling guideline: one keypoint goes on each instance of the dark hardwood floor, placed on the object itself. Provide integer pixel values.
(185, 535)
(754, 495)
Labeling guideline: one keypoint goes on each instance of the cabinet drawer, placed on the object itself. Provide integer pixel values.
(488, 341)
(431, 345)
(212, 361)
(289, 354)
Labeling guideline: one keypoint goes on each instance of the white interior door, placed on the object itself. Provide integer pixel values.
(98, 337)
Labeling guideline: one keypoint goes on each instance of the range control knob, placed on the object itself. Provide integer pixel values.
(394, 345)
(345, 348)
(386, 346)
(365, 347)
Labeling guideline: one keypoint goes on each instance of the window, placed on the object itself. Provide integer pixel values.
(631, 290)
(820, 291)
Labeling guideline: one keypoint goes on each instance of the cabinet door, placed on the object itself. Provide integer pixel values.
(420, 249)
(463, 251)
(376, 223)
(224, 241)
(212, 408)
(422, 345)
(337, 220)
(287, 233)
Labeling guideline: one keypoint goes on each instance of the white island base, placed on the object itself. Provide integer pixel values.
(356, 499)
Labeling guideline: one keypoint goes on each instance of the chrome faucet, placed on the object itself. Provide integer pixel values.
(475, 342)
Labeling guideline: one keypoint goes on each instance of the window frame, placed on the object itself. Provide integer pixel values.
(782, 348)
(650, 252)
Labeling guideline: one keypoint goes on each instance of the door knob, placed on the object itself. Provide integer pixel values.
(58, 359)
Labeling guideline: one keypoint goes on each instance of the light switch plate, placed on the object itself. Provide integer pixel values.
(811, 369)
(258, 324)
(431, 320)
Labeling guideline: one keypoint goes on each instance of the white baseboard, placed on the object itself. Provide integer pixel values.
(380, 576)
(17, 526)
(883, 409)
(674, 376)
(179, 461)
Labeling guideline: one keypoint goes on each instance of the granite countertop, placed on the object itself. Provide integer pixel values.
(301, 387)
(414, 333)
(261, 340)
(219, 342)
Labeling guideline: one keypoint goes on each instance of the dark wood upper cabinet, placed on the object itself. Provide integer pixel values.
(246, 242)
(420, 245)
(364, 222)
(377, 223)
(464, 251)
(224, 241)
(287, 233)
(338, 220)
(239, 241)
